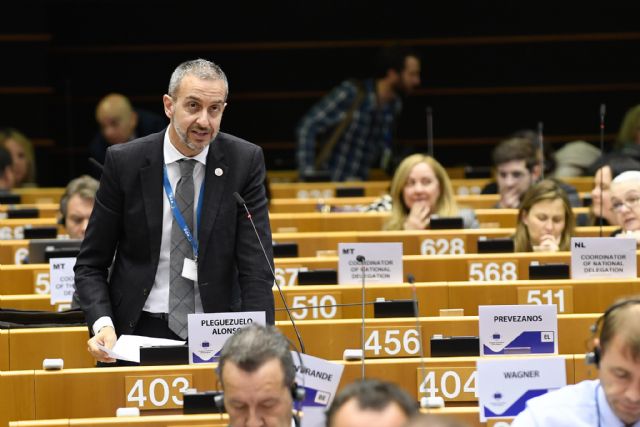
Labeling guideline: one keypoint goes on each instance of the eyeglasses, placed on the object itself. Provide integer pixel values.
(629, 202)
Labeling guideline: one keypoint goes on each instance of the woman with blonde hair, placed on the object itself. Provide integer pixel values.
(21, 149)
(420, 190)
(545, 220)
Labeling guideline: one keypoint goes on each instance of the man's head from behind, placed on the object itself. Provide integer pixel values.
(618, 358)
(517, 166)
(371, 403)
(116, 118)
(76, 205)
(257, 375)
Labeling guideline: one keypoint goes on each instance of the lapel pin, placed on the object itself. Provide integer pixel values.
(218, 172)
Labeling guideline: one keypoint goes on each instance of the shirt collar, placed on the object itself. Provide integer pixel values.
(171, 154)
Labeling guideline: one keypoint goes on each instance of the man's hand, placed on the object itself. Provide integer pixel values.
(419, 216)
(548, 243)
(105, 337)
(510, 199)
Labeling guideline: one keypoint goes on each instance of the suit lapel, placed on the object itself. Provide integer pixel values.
(214, 184)
(151, 180)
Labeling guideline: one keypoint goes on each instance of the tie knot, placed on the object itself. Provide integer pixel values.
(186, 167)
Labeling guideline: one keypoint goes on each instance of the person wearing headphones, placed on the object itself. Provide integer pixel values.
(611, 400)
(257, 375)
(371, 403)
(76, 205)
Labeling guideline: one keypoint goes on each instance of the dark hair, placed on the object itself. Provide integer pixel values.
(622, 319)
(372, 394)
(391, 57)
(515, 149)
(254, 345)
(618, 163)
(548, 153)
(5, 159)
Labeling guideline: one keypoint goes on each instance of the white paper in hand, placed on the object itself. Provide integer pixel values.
(128, 346)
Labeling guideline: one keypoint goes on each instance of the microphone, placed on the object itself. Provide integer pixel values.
(603, 111)
(96, 163)
(430, 131)
(361, 260)
(241, 201)
(424, 401)
(541, 146)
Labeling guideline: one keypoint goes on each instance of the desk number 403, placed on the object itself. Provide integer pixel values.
(391, 341)
(156, 392)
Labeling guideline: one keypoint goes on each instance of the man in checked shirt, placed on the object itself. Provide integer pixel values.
(352, 126)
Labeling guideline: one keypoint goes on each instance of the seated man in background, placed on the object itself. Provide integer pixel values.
(7, 177)
(371, 403)
(76, 205)
(519, 165)
(257, 374)
(119, 123)
(611, 400)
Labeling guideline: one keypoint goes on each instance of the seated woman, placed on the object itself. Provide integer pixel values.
(606, 169)
(21, 149)
(625, 198)
(420, 190)
(546, 222)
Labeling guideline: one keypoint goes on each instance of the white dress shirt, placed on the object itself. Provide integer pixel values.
(158, 299)
(582, 404)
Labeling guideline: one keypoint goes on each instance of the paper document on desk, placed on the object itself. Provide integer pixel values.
(128, 346)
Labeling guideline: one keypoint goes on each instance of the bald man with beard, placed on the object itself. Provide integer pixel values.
(119, 123)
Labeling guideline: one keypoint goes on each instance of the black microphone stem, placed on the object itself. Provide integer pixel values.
(240, 200)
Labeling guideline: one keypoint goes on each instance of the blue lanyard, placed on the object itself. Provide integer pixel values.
(178, 215)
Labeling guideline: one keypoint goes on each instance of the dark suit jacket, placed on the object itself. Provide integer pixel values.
(127, 221)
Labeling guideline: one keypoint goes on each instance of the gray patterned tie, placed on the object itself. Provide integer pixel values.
(181, 294)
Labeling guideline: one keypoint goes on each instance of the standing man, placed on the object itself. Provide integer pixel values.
(187, 255)
(258, 378)
(352, 126)
(611, 400)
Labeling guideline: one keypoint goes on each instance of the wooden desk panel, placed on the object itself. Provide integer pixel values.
(414, 242)
(63, 394)
(17, 391)
(446, 268)
(147, 421)
(29, 347)
(338, 335)
(41, 302)
(589, 296)
(13, 251)
(431, 296)
(24, 279)
(372, 221)
(4, 350)
(40, 195)
(403, 372)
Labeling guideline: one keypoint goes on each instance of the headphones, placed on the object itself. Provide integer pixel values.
(593, 357)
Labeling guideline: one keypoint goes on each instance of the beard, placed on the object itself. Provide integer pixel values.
(184, 139)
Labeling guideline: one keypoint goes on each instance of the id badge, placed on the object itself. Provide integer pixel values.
(190, 269)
